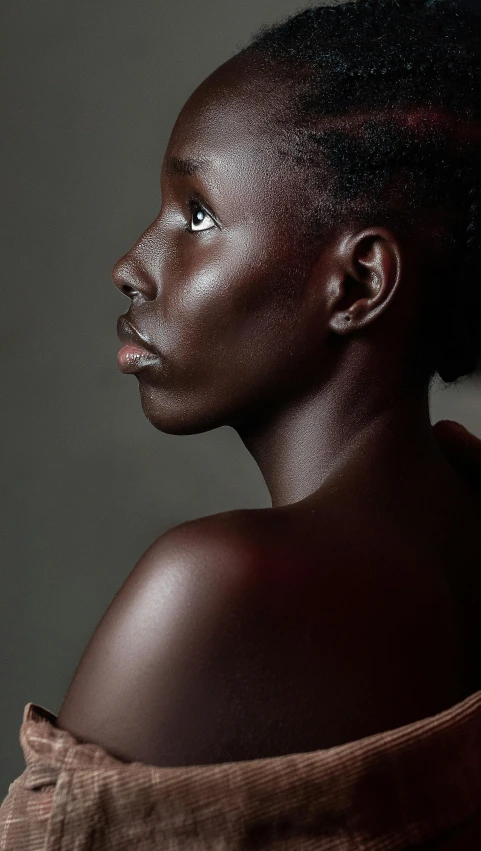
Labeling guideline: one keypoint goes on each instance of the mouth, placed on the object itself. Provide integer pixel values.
(137, 353)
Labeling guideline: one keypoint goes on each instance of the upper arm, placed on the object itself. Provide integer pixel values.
(156, 638)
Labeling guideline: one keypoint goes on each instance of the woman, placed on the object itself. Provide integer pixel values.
(314, 264)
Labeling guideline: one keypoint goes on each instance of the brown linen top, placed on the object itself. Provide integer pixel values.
(415, 787)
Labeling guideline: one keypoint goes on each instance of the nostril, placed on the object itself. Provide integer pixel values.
(128, 291)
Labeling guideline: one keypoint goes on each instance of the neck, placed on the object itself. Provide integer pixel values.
(367, 428)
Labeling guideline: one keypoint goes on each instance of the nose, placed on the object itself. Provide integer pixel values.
(130, 274)
(132, 280)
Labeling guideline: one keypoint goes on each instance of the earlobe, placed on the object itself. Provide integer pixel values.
(341, 323)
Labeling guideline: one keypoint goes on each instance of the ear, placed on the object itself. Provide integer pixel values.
(366, 272)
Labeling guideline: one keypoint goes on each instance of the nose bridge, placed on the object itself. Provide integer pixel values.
(134, 274)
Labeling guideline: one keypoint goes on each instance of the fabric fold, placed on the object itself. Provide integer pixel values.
(418, 786)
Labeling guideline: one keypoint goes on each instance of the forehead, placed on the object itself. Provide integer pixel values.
(230, 120)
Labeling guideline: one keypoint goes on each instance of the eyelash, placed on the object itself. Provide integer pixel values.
(194, 202)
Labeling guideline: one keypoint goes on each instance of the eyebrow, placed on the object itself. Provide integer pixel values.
(187, 166)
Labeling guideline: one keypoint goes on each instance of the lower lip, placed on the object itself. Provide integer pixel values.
(133, 358)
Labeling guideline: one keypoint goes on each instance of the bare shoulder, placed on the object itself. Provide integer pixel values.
(235, 633)
(229, 538)
(154, 645)
(219, 552)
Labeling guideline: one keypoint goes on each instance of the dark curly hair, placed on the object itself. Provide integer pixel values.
(386, 95)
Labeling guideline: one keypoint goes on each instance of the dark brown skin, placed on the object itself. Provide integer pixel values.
(349, 607)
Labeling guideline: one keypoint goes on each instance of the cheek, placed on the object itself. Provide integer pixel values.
(235, 302)
(235, 317)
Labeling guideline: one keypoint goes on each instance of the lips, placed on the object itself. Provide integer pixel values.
(137, 352)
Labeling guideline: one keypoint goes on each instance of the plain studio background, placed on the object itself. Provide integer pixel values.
(92, 90)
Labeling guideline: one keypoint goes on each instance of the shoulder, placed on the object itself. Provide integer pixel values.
(185, 597)
(230, 531)
(225, 545)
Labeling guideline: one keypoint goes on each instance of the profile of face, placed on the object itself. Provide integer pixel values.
(220, 286)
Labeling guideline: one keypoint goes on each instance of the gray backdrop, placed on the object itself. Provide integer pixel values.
(91, 93)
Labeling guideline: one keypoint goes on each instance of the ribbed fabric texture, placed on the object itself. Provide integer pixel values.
(416, 787)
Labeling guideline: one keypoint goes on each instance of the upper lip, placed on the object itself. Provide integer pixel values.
(129, 335)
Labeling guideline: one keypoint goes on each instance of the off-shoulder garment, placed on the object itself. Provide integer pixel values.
(415, 787)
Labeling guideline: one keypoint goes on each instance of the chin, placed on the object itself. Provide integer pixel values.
(177, 415)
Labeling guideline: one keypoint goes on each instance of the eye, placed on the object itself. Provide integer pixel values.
(200, 218)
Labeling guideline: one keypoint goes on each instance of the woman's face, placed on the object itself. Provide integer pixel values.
(220, 281)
